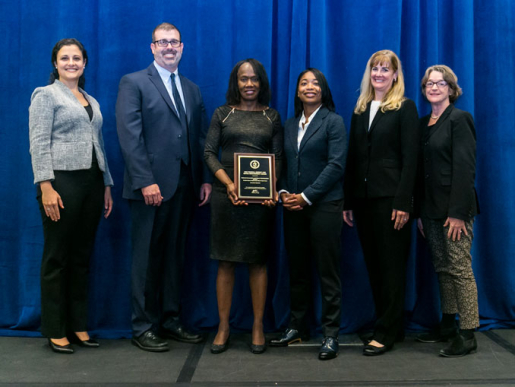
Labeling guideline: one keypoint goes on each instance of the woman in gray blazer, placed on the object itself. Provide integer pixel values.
(74, 184)
(311, 189)
(448, 206)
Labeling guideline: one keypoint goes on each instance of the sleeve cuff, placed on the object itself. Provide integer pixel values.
(280, 192)
(306, 199)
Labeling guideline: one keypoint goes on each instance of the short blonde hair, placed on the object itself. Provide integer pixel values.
(395, 96)
(448, 76)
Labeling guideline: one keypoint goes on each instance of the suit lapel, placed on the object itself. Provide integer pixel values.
(433, 128)
(188, 102)
(95, 108)
(155, 78)
(366, 118)
(313, 126)
(377, 118)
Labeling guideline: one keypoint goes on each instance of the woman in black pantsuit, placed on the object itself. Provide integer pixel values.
(315, 147)
(379, 183)
(74, 184)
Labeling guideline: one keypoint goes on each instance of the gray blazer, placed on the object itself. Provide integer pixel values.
(61, 135)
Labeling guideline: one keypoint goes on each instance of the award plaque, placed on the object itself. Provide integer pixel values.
(254, 176)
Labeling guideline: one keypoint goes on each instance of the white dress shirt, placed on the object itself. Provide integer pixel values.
(166, 77)
(374, 107)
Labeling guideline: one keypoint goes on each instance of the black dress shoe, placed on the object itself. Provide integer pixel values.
(459, 346)
(329, 348)
(289, 336)
(257, 348)
(219, 348)
(149, 341)
(437, 336)
(65, 349)
(371, 350)
(90, 343)
(181, 334)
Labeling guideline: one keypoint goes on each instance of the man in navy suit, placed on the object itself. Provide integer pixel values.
(162, 124)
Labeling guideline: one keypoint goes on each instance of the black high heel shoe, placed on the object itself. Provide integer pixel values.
(90, 343)
(65, 349)
(257, 348)
(219, 348)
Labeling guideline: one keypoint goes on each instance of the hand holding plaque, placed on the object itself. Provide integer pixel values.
(254, 177)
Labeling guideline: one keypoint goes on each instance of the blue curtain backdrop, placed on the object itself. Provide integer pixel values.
(474, 37)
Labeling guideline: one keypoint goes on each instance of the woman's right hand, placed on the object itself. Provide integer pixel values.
(231, 193)
(348, 217)
(51, 200)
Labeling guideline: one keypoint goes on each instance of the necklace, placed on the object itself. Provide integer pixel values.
(434, 117)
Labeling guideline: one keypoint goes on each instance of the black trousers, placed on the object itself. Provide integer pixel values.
(314, 233)
(158, 247)
(67, 250)
(386, 252)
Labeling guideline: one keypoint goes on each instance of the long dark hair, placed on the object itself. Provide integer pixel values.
(233, 96)
(327, 97)
(60, 44)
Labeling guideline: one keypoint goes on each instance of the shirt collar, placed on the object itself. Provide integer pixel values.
(303, 117)
(164, 73)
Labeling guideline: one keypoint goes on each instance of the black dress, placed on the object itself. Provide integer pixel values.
(241, 233)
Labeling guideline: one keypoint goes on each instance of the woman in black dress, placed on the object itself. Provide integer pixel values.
(240, 232)
(448, 207)
(379, 183)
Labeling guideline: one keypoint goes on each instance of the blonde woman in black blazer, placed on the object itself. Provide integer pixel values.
(448, 207)
(311, 189)
(379, 183)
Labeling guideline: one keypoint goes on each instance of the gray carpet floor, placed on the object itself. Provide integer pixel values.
(29, 361)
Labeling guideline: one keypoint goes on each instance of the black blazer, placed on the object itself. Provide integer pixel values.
(382, 161)
(148, 128)
(316, 168)
(448, 167)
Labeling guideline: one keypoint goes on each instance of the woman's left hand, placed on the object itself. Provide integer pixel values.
(108, 202)
(293, 202)
(400, 217)
(456, 227)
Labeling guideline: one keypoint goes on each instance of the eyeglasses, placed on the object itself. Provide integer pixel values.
(164, 43)
(438, 84)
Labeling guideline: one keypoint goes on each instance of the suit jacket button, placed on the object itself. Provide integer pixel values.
(427, 176)
(180, 135)
(299, 173)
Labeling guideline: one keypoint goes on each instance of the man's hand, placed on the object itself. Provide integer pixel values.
(152, 195)
(205, 194)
